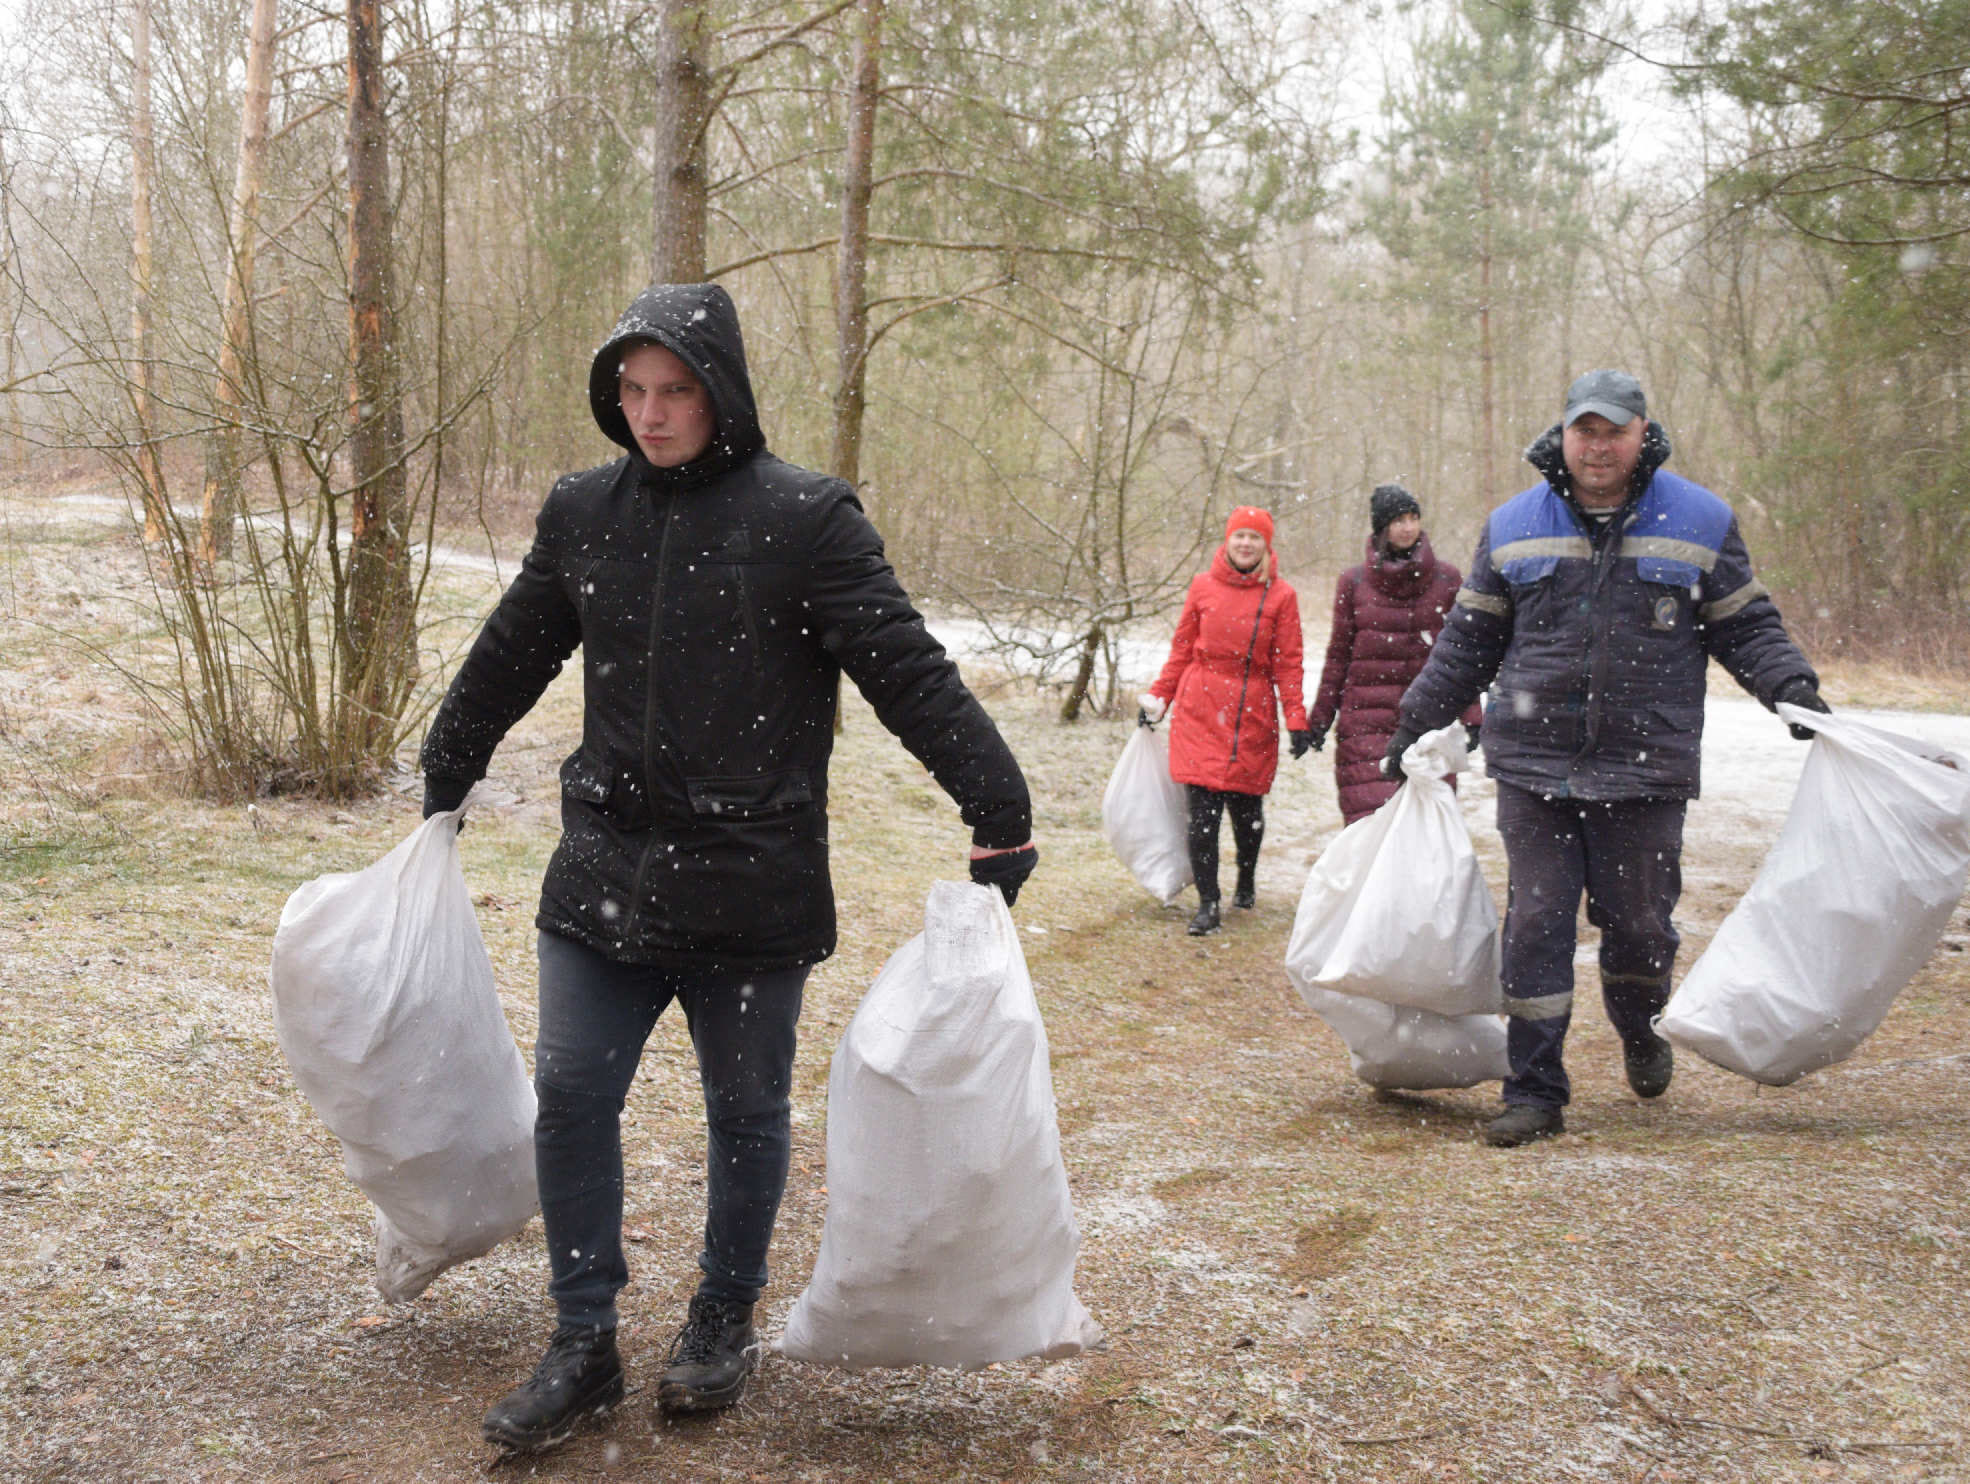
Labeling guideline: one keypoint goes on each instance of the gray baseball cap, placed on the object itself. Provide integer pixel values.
(1615, 395)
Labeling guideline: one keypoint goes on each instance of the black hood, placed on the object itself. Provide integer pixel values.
(1548, 456)
(699, 324)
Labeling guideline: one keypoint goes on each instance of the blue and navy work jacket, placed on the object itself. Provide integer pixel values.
(1594, 640)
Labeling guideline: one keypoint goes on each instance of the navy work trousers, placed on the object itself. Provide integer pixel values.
(1627, 857)
(1207, 808)
(595, 1015)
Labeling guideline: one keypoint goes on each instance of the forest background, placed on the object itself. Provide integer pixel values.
(1056, 285)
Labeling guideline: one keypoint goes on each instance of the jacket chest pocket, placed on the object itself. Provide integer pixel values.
(717, 594)
(1550, 601)
(614, 597)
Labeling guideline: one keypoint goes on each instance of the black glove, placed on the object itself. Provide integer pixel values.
(1317, 737)
(1801, 692)
(1007, 871)
(1400, 743)
(1304, 741)
(444, 794)
(1473, 736)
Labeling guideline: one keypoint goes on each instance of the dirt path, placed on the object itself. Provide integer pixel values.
(1300, 1281)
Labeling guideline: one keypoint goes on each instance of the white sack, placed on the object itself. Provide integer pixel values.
(385, 1008)
(1848, 905)
(1145, 816)
(1392, 1047)
(1396, 909)
(950, 1236)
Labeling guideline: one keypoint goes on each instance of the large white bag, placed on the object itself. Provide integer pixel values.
(385, 1007)
(1392, 1047)
(1848, 905)
(1396, 908)
(950, 1236)
(1145, 816)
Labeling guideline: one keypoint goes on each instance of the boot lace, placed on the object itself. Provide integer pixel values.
(703, 1327)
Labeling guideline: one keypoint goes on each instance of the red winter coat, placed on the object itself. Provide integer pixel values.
(1387, 614)
(1234, 662)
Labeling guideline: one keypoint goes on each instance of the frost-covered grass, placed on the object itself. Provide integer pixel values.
(1299, 1280)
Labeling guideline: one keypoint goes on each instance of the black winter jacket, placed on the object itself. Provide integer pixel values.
(1595, 642)
(715, 606)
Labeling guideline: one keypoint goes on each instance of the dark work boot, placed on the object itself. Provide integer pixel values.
(1206, 920)
(710, 1359)
(1522, 1123)
(1246, 896)
(1649, 1064)
(580, 1375)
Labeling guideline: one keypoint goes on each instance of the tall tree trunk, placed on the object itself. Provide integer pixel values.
(1488, 428)
(220, 501)
(143, 163)
(378, 652)
(677, 249)
(852, 269)
(9, 272)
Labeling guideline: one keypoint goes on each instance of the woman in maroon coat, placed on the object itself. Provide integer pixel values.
(1387, 613)
(1235, 661)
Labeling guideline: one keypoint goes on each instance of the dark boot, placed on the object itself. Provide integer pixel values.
(1522, 1123)
(1649, 1065)
(1246, 896)
(710, 1359)
(1206, 920)
(580, 1375)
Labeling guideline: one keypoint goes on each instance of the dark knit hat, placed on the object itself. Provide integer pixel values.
(1390, 502)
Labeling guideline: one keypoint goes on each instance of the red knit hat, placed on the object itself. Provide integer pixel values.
(1250, 518)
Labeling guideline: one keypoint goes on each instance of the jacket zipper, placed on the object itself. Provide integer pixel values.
(1599, 630)
(1245, 680)
(650, 717)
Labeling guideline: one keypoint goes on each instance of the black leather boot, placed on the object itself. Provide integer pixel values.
(1206, 920)
(710, 1359)
(1246, 895)
(580, 1375)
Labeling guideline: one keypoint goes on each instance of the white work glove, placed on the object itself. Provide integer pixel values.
(1150, 709)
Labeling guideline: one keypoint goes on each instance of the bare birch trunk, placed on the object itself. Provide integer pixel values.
(677, 249)
(378, 663)
(143, 164)
(1488, 431)
(220, 501)
(852, 264)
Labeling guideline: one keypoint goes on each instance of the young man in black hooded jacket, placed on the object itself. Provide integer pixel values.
(716, 594)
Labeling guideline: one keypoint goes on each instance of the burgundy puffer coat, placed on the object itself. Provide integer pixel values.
(1234, 665)
(1387, 613)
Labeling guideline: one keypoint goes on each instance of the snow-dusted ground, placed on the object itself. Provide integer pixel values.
(1751, 763)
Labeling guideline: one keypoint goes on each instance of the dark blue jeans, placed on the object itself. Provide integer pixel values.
(595, 1015)
(1628, 858)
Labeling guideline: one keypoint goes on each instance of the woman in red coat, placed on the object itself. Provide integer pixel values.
(1387, 613)
(1234, 662)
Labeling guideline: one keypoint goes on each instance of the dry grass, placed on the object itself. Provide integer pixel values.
(1300, 1280)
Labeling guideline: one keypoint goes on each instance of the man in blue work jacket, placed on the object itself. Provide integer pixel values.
(1593, 605)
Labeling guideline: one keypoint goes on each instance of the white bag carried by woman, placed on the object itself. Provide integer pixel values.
(950, 1236)
(1145, 816)
(1850, 903)
(385, 1008)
